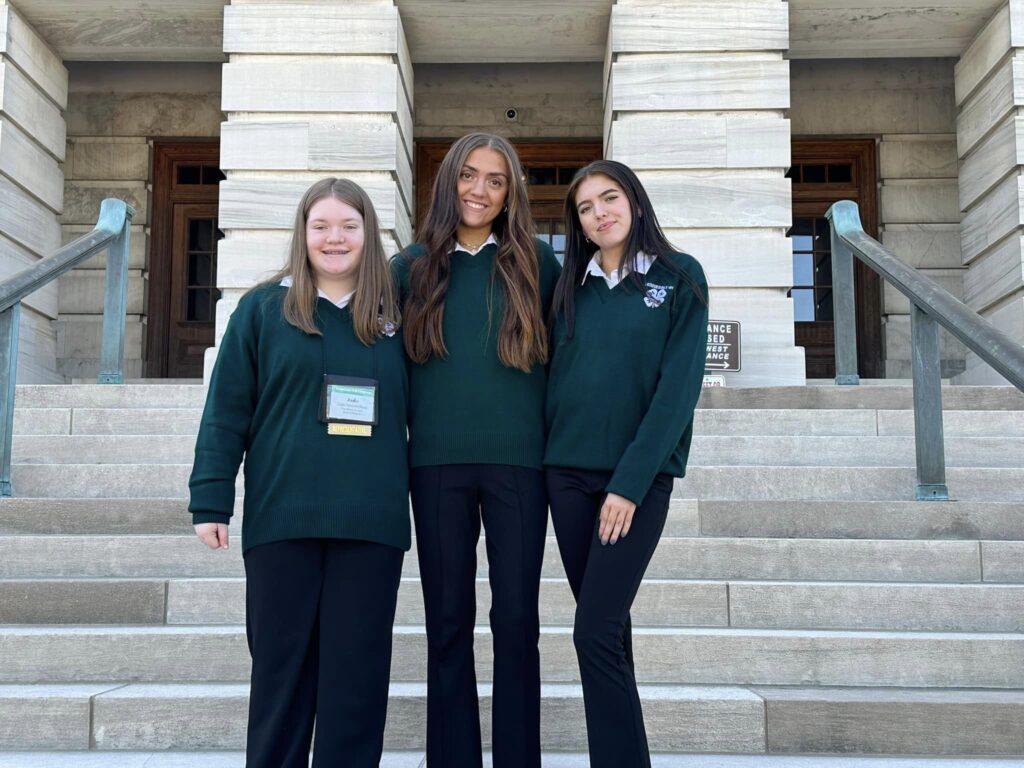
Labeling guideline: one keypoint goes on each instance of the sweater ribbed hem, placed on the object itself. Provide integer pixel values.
(477, 448)
(382, 524)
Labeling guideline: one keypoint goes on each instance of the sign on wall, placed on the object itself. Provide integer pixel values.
(723, 347)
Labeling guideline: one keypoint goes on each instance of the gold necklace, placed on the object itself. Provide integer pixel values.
(477, 247)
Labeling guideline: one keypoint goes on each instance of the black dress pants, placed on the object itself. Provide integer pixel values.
(605, 580)
(319, 618)
(449, 503)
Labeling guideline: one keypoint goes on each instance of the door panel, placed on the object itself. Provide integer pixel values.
(193, 287)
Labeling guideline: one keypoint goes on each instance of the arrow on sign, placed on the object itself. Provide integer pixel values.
(716, 365)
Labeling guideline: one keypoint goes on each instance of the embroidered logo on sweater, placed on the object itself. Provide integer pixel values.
(387, 328)
(656, 295)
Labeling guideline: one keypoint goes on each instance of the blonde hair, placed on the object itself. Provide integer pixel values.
(374, 306)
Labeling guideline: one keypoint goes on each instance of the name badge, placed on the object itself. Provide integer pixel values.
(348, 405)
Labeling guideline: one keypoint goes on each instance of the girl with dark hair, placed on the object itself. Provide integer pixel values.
(310, 386)
(629, 339)
(475, 290)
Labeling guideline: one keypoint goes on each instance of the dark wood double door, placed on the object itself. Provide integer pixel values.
(183, 290)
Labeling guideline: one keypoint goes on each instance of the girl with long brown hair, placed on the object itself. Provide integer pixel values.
(310, 387)
(475, 289)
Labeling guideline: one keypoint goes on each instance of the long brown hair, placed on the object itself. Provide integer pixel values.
(374, 306)
(522, 340)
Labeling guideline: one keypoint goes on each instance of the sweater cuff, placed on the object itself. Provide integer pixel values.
(210, 517)
(626, 490)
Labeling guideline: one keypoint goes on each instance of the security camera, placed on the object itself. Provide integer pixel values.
(511, 114)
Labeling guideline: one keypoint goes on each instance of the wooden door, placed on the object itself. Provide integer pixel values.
(549, 167)
(194, 291)
(824, 172)
(183, 258)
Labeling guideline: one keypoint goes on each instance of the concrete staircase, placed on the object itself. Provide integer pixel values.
(801, 613)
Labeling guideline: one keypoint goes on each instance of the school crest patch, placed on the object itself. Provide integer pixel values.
(387, 328)
(656, 295)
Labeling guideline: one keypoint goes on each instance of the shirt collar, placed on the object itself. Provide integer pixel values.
(341, 303)
(643, 266)
(491, 240)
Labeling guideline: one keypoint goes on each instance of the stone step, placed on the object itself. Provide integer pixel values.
(98, 516)
(815, 451)
(688, 719)
(877, 396)
(225, 759)
(759, 519)
(153, 717)
(887, 721)
(956, 423)
(741, 482)
(706, 451)
(659, 603)
(723, 422)
(862, 519)
(34, 557)
(109, 396)
(699, 656)
(843, 483)
(886, 396)
(170, 516)
(679, 718)
(714, 421)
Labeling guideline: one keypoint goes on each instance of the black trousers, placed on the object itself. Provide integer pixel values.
(319, 618)
(605, 580)
(449, 503)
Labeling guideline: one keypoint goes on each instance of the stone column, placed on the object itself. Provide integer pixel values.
(33, 97)
(313, 89)
(695, 100)
(990, 145)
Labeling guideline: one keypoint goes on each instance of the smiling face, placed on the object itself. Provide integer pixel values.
(605, 214)
(334, 241)
(482, 189)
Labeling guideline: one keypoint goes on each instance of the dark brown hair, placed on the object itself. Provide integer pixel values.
(375, 303)
(522, 339)
(644, 235)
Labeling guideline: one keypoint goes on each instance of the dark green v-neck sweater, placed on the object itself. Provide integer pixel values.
(263, 404)
(469, 408)
(622, 390)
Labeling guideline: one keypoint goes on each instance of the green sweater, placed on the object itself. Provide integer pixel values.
(622, 390)
(469, 408)
(264, 401)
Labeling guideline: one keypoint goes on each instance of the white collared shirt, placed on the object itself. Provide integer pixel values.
(340, 303)
(491, 239)
(643, 265)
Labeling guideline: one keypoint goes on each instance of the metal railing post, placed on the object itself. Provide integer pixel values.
(843, 308)
(928, 433)
(10, 320)
(115, 307)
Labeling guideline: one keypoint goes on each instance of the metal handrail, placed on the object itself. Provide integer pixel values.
(113, 233)
(931, 306)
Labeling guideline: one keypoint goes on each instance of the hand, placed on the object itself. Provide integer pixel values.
(616, 517)
(213, 535)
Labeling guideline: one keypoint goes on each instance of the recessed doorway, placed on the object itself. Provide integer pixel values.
(183, 290)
